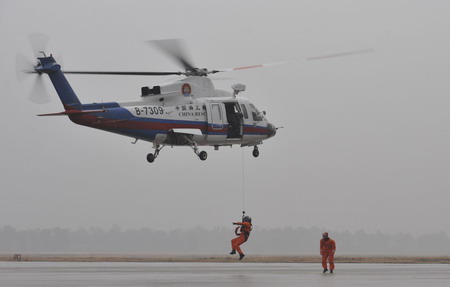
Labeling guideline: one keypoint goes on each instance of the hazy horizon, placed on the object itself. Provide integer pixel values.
(199, 240)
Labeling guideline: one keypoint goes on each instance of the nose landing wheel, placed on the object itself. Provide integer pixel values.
(255, 151)
(203, 155)
(150, 158)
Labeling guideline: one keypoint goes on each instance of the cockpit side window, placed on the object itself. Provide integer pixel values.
(244, 110)
(255, 113)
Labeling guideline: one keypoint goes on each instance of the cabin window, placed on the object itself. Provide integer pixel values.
(244, 111)
(216, 116)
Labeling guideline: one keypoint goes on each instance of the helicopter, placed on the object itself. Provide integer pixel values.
(185, 112)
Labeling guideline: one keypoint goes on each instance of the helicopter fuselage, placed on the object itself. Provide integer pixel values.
(216, 121)
(187, 112)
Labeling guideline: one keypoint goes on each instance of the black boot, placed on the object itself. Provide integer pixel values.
(233, 252)
(241, 256)
(325, 270)
(331, 271)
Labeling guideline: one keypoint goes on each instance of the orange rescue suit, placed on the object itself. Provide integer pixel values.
(245, 227)
(327, 249)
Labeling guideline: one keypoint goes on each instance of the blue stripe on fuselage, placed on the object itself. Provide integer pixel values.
(115, 112)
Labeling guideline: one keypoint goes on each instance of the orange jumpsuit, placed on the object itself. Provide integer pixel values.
(246, 227)
(327, 249)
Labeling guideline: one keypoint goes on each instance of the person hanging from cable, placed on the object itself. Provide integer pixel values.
(243, 232)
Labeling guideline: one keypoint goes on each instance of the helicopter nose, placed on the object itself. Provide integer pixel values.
(271, 130)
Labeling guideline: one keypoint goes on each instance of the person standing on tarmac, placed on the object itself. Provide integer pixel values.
(245, 228)
(327, 249)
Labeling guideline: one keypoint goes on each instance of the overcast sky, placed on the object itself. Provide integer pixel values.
(365, 143)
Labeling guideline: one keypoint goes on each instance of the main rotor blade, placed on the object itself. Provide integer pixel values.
(350, 53)
(175, 49)
(123, 73)
(248, 67)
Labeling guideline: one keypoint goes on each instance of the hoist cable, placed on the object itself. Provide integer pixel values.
(243, 184)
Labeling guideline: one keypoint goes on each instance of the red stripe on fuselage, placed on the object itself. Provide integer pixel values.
(255, 130)
(132, 124)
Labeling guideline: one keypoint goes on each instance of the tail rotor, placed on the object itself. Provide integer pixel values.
(25, 69)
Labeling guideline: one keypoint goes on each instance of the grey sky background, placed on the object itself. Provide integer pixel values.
(365, 143)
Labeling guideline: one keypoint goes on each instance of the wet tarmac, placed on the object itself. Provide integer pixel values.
(49, 274)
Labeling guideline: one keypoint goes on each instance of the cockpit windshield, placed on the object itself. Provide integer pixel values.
(257, 116)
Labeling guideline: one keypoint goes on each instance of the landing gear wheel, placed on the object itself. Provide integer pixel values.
(203, 155)
(255, 152)
(150, 157)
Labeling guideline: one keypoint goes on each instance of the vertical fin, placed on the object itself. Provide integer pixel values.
(65, 92)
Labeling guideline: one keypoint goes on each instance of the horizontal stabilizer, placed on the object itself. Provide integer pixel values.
(73, 112)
